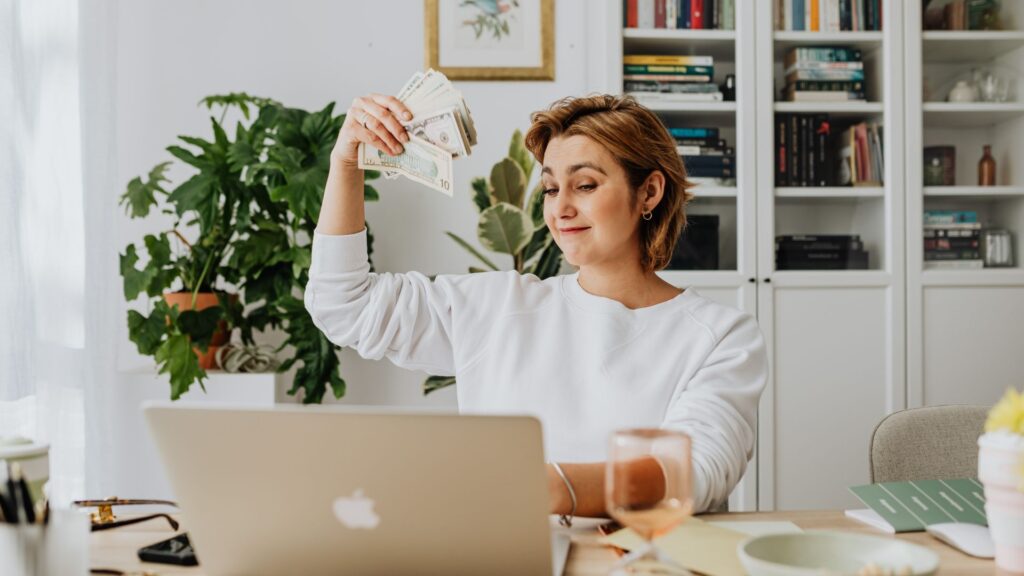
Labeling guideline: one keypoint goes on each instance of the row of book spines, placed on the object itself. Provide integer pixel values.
(950, 217)
(689, 150)
(700, 78)
(680, 14)
(665, 60)
(969, 233)
(663, 70)
(801, 142)
(930, 255)
(822, 54)
(828, 15)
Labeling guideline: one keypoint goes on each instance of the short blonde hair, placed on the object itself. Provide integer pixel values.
(640, 143)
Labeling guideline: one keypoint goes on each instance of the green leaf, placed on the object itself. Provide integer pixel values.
(141, 195)
(159, 249)
(518, 152)
(475, 270)
(188, 157)
(469, 248)
(302, 258)
(535, 205)
(135, 281)
(538, 241)
(508, 183)
(200, 325)
(195, 194)
(370, 194)
(176, 358)
(481, 194)
(504, 228)
(549, 263)
(435, 383)
(147, 333)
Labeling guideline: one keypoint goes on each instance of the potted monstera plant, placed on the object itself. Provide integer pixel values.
(250, 208)
(511, 222)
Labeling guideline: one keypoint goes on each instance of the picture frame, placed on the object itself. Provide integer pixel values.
(491, 39)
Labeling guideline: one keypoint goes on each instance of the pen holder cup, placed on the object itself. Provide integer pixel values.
(61, 547)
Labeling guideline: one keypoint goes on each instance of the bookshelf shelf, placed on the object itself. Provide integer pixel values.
(970, 115)
(824, 192)
(837, 109)
(714, 192)
(981, 192)
(721, 44)
(787, 39)
(954, 46)
(964, 278)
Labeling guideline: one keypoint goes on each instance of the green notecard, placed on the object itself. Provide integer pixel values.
(910, 506)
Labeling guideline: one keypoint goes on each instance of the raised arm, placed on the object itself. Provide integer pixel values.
(342, 209)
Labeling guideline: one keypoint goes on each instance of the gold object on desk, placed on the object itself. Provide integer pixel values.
(104, 518)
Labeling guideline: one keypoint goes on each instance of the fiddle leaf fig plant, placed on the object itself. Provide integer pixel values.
(252, 204)
(511, 222)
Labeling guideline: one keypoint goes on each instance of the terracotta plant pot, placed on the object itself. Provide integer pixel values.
(204, 300)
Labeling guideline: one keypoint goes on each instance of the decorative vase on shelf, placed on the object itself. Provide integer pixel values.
(1001, 472)
(987, 168)
(964, 91)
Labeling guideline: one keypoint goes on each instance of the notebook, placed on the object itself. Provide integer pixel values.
(911, 506)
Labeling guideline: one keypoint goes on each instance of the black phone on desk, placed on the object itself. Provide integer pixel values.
(176, 550)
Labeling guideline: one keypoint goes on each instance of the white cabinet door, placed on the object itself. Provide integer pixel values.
(835, 373)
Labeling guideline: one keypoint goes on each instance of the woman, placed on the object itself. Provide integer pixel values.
(612, 346)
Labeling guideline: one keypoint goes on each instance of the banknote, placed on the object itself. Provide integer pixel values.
(441, 128)
(420, 161)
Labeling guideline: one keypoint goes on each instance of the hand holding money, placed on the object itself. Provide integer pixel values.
(432, 120)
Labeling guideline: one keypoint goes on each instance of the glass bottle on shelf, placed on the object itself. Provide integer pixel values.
(987, 168)
(934, 173)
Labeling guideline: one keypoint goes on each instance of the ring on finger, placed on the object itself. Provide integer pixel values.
(363, 117)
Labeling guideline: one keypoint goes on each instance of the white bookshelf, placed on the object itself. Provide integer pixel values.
(835, 337)
(963, 325)
(849, 347)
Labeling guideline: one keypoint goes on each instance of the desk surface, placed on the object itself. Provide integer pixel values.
(117, 548)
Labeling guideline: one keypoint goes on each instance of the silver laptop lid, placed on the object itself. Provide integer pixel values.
(332, 490)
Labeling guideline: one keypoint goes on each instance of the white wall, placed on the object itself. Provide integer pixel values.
(307, 53)
(304, 53)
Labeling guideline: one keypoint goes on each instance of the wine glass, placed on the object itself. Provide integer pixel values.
(648, 487)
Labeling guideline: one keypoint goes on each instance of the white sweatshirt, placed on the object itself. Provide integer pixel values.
(584, 365)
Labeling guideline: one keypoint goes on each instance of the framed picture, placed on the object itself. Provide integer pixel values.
(491, 39)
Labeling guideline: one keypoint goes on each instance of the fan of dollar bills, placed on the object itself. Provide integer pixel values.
(441, 129)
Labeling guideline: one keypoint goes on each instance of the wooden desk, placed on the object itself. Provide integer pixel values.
(117, 548)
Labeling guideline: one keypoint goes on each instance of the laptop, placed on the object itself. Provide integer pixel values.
(345, 490)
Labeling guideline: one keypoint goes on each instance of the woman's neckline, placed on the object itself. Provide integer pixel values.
(578, 295)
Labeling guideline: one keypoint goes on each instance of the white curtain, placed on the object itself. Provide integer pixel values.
(52, 272)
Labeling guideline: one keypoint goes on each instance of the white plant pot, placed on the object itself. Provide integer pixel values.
(1001, 471)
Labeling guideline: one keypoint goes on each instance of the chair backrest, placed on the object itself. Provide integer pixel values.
(934, 442)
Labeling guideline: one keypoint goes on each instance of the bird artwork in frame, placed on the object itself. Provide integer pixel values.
(491, 39)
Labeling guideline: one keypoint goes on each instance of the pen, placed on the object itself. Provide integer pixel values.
(14, 504)
(26, 496)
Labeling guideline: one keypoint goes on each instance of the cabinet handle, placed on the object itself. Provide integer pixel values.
(752, 280)
(767, 280)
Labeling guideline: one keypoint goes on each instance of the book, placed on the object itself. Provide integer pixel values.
(658, 69)
(950, 216)
(663, 97)
(676, 87)
(792, 95)
(668, 60)
(911, 506)
(704, 151)
(709, 161)
(667, 78)
(809, 54)
(954, 264)
(824, 74)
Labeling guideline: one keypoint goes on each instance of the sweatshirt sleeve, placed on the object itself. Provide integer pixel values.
(717, 408)
(405, 318)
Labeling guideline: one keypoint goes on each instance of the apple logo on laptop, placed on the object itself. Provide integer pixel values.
(356, 511)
